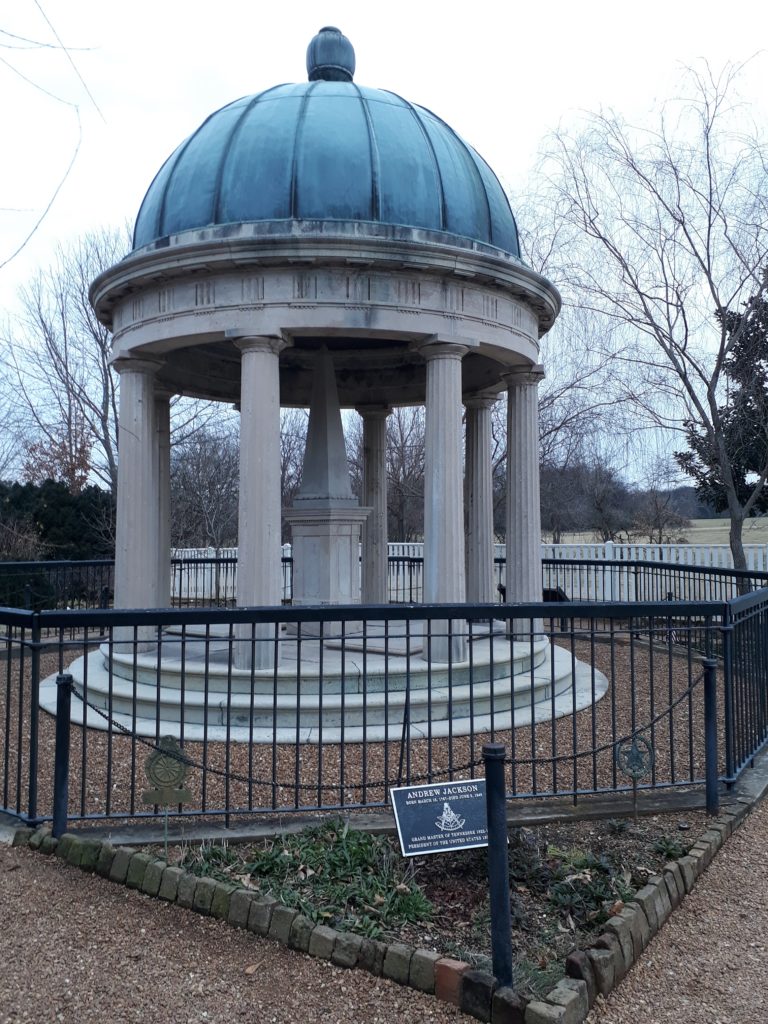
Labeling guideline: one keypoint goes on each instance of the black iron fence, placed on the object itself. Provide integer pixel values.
(212, 582)
(289, 709)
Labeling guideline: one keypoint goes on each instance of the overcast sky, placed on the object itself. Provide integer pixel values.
(138, 77)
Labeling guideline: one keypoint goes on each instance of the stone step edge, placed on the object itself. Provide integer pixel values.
(590, 973)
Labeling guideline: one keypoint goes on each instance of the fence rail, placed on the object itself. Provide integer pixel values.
(346, 705)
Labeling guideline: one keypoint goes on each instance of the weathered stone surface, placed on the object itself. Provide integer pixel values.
(346, 949)
(603, 965)
(619, 926)
(36, 839)
(448, 974)
(579, 966)
(222, 895)
(65, 841)
(609, 941)
(260, 914)
(675, 884)
(704, 850)
(322, 941)
(689, 871)
(477, 988)
(371, 956)
(89, 855)
(169, 884)
(714, 838)
(104, 861)
(153, 876)
(48, 845)
(137, 869)
(240, 907)
(544, 1013)
(571, 994)
(397, 962)
(508, 1007)
(646, 898)
(75, 852)
(185, 892)
(22, 836)
(301, 932)
(280, 925)
(422, 970)
(204, 890)
(638, 927)
(120, 863)
(727, 822)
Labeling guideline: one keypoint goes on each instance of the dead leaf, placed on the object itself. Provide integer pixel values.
(617, 908)
(402, 888)
(252, 968)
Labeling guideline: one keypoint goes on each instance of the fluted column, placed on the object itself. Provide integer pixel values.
(444, 562)
(258, 562)
(138, 493)
(375, 563)
(163, 448)
(523, 500)
(479, 500)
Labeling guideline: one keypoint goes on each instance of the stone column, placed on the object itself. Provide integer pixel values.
(138, 494)
(375, 564)
(523, 577)
(444, 562)
(163, 447)
(258, 562)
(479, 473)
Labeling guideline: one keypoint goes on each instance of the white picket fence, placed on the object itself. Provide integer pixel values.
(198, 582)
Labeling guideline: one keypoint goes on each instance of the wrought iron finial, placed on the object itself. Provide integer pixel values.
(330, 56)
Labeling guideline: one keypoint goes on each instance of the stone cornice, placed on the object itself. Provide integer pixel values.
(201, 253)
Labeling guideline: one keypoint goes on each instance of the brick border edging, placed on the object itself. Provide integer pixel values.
(591, 972)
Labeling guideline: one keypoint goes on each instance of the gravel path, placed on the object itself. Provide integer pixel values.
(707, 965)
(76, 949)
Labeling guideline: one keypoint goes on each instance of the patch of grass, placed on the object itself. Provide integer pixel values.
(353, 881)
(670, 847)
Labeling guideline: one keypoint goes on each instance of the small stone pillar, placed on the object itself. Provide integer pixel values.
(444, 561)
(375, 560)
(479, 472)
(138, 496)
(326, 518)
(258, 561)
(523, 499)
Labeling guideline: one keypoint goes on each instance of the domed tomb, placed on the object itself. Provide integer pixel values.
(331, 246)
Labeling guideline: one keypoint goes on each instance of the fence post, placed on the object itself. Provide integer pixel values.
(710, 735)
(61, 754)
(34, 715)
(498, 861)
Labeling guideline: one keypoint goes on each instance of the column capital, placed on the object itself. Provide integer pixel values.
(482, 400)
(374, 411)
(140, 364)
(520, 376)
(440, 348)
(257, 342)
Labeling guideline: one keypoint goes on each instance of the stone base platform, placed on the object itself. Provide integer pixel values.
(321, 693)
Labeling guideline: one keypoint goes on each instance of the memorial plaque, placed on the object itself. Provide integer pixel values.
(440, 817)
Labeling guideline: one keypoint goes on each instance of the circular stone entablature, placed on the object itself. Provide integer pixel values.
(325, 214)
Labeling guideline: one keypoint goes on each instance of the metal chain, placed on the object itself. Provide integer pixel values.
(382, 783)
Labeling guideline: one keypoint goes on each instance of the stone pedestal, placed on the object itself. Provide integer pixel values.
(326, 561)
(523, 499)
(444, 561)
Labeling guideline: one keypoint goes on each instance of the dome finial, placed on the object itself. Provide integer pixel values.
(330, 56)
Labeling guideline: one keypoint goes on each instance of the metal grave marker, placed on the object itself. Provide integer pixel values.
(440, 817)
(166, 771)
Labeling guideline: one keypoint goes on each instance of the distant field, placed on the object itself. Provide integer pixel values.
(701, 531)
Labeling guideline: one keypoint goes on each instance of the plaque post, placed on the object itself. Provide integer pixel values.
(498, 862)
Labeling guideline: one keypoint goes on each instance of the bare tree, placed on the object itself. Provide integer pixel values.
(205, 476)
(405, 473)
(57, 361)
(661, 233)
